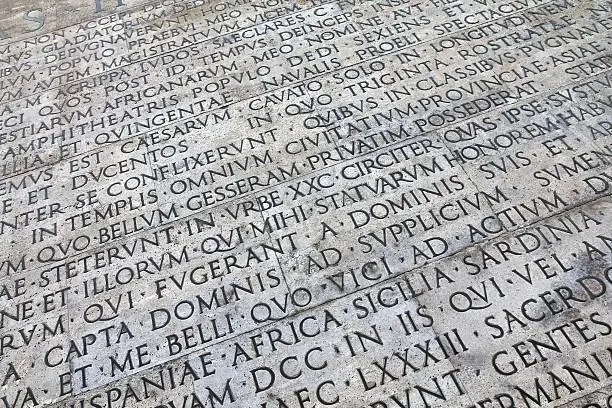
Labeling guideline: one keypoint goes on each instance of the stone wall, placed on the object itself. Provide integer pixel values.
(305, 203)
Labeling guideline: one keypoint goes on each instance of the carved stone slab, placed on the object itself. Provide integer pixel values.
(305, 203)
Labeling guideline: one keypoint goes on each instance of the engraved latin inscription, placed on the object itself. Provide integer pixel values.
(305, 204)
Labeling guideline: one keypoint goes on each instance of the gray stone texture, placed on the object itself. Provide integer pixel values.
(305, 203)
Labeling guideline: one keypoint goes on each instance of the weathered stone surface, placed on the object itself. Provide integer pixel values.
(305, 203)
